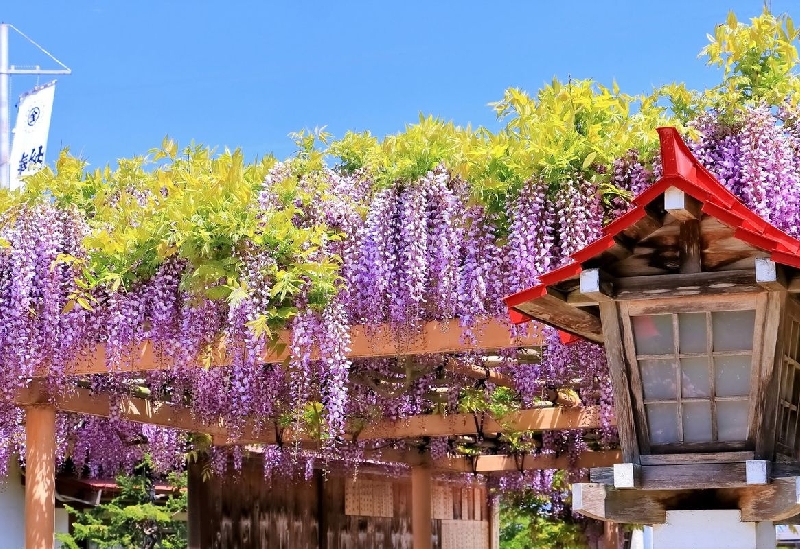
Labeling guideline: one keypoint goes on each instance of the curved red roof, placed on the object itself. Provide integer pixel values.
(683, 171)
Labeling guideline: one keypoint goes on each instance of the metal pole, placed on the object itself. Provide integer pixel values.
(5, 129)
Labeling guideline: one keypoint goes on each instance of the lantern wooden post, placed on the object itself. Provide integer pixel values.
(40, 476)
(421, 507)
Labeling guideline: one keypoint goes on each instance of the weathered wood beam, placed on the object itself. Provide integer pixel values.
(690, 244)
(620, 385)
(776, 501)
(625, 506)
(698, 476)
(768, 341)
(496, 464)
(697, 457)
(378, 341)
(681, 206)
(83, 401)
(553, 309)
(676, 285)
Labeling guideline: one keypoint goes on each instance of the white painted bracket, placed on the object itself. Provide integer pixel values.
(680, 205)
(758, 471)
(592, 287)
(769, 275)
(627, 475)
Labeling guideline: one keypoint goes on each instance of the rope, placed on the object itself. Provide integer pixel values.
(47, 53)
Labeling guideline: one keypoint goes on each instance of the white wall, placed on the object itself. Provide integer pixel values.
(12, 511)
(712, 529)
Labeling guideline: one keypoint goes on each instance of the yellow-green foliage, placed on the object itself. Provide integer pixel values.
(201, 206)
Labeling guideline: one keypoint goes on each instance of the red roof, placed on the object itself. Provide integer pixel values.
(681, 170)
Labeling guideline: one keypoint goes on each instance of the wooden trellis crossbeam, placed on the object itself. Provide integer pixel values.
(485, 464)
(140, 410)
(500, 464)
(366, 342)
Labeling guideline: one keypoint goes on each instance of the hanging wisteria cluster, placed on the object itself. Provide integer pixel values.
(210, 262)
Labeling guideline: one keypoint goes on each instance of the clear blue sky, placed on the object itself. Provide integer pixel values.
(245, 74)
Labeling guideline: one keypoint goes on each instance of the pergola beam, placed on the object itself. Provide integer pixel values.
(140, 410)
(434, 337)
(499, 464)
(487, 464)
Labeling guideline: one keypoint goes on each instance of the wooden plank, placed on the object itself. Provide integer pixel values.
(690, 247)
(553, 309)
(618, 368)
(435, 337)
(682, 285)
(697, 476)
(691, 304)
(703, 457)
(767, 362)
(639, 415)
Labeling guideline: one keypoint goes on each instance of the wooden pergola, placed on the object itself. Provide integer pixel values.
(434, 338)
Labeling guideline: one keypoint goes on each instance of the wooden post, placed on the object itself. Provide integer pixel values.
(494, 522)
(611, 536)
(40, 476)
(196, 498)
(421, 507)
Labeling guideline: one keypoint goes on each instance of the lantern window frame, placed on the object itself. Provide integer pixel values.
(675, 306)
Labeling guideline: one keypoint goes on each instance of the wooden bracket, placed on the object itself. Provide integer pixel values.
(776, 501)
(553, 309)
(625, 506)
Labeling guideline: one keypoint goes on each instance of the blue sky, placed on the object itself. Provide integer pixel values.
(246, 74)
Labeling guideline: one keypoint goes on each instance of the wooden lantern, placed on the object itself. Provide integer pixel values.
(694, 298)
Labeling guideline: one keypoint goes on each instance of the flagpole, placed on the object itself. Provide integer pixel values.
(6, 71)
(5, 131)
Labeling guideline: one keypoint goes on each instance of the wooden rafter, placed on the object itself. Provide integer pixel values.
(433, 338)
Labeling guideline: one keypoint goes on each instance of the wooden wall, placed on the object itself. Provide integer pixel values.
(245, 512)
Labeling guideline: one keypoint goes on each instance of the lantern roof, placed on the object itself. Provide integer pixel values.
(646, 241)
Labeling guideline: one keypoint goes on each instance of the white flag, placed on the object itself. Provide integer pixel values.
(30, 134)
